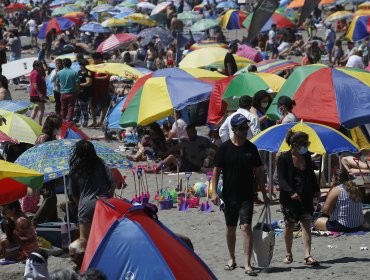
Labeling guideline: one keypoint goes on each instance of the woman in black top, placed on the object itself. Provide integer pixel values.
(298, 188)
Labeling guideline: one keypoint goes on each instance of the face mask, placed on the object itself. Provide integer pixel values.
(56, 131)
(302, 150)
(264, 105)
(363, 158)
(280, 112)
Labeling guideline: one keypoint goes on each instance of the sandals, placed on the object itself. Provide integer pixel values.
(288, 259)
(251, 272)
(230, 267)
(310, 261)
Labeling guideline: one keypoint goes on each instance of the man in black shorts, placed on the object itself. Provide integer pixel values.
(241, 165)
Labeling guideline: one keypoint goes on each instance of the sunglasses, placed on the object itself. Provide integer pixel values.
(242, 128)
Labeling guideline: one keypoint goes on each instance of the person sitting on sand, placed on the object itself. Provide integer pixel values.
(357, 166)
(9, 246)
(342, 210)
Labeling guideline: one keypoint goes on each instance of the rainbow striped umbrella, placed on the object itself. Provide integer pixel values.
(359, 28)
(324, 139)
(338, 16)
(233, 19)
(273, 66)
(331, 96)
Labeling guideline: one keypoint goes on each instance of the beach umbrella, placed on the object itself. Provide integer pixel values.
(163, 34)
(141, 19)
(94, 27)
(189, 16)
(122, 15)
(71, 131)
(210, 57)
(368, 68)
(159, 97)
(101, 8)
(146, 5)
(82, 3)
(226, 92)
(324, 139)
(116, 41)
(16, 106)
(160, 8)
(361, 13)
(204, 24)
(114, 22)
(233, 19)
(365, 5)
(11, 190)
(6, 138)
(117, 69)
(65, 10)
(338, 16)
(207, 44)
(296, 4)
(282, 17)
(52, 158)
(249, 52)
(58, 23)
(20, 174)
(20, 127)
(331, 96)
(128, 3)
(61, 2)
(16, 7)
(114, 115)
(227, 5)
(273, 66)
(75, 15)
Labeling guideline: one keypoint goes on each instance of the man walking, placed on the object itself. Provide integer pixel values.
(241, 165)
(229, 60)
(69, 87)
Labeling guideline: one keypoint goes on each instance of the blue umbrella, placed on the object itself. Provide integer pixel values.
(227, 5)
(94, 27)
(52, 158)
(61, 2)
(114, 115)
(60, 23)
(148, 33)
(123, 14)
(102, 8)
(15, 106)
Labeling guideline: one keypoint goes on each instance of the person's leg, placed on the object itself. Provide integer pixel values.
(288, 238)
(85, 231)
(320, 223)
(77, 112)
(84, 105)
(247, 245)
(71, 106)
(93, 116)
(231, 240)
(57, 102)
(42, 110)
(63, 106)
(102, 115)
(35, 110)
(306, 230)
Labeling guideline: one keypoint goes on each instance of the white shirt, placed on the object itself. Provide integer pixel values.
(355, 61)
(283, 46)
(272, 37)
(180, 129)
(289, 118)
(226, 132)
(32, 25)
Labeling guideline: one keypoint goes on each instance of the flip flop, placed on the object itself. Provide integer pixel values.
(250, 272)
(311, 262)
(230, 267)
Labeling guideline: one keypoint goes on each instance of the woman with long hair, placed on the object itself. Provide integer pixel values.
(342, 210)
(89, 179)
(260, 103)
(298, 188)
(4, 90)
(50, 129)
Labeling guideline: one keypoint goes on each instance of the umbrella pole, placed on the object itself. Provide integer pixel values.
(329, 170)
(320, 171)
(67, 210)
(270, 175)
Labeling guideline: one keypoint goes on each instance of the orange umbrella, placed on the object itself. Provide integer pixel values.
(296, 4)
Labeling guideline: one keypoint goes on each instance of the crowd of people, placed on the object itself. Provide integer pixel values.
(82, 98)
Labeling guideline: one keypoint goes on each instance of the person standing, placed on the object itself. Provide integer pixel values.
(3, 59)
(15, 46)
(298, 188)
(53, 78)
(241, 166)
(32, 25)
(329, 41)
(245, 103)
(50, 36)
(273, 42)
(38, 90)
(100, 92)
(68, 83)
(229, 60)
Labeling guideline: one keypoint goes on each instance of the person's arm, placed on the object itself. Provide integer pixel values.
(331, 201)
(224, 131)
(282, 171)
(74, 189)
(215, 178)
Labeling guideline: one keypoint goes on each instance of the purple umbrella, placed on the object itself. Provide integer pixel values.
(249, 52)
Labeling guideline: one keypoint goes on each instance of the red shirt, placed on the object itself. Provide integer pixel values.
(37, 78)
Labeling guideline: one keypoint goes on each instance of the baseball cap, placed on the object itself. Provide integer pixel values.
(238, 119)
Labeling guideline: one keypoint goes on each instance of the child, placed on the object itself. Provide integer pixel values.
(9, 247)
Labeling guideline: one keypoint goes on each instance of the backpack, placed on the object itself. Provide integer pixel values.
(3, 59)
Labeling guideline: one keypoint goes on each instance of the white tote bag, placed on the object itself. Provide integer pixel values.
(263, 239)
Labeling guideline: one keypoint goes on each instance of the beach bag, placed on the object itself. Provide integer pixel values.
(263, 239)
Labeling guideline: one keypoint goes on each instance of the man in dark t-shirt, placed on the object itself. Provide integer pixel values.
(229, 60)
(241, 165)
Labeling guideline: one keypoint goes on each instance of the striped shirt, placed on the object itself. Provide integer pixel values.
(346, 211)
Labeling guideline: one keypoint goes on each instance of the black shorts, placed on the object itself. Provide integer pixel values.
(294, 215)
(242, 211)
(338, 227)
(36, 99)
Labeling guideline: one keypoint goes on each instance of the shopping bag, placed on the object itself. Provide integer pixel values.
(263, 239)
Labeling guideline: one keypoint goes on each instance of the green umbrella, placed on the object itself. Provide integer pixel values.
(204, 24)
(189, 16)
(64, 10)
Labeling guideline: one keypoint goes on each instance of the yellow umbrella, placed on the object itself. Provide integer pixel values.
(20, 127)
(211, 57)
(365, 5)
(141, 19)
(363, 12)
(111, 22)
(116, 69)
(21, 174)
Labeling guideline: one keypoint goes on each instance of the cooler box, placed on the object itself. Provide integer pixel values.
(52, 232)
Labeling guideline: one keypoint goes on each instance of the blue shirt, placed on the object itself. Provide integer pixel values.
(68, 80)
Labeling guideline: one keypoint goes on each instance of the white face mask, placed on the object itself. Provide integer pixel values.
(57, 131)
(264, 105)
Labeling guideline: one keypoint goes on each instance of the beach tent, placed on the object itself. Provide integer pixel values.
(128, 242)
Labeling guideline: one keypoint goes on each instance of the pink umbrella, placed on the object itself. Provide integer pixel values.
(368, 68)
(6, 138)
(249, 52)
(115, 41)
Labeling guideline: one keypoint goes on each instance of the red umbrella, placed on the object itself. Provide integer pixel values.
(115, 41)
(16, 7)
(6, 138)
(11, 190)
(250, 53)
(70, 131)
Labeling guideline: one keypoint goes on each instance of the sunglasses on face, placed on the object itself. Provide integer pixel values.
(242, 128)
